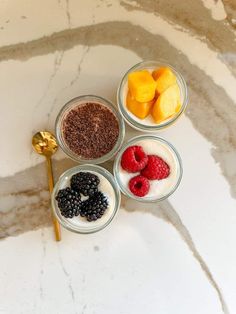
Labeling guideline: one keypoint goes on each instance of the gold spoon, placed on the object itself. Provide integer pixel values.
(45, 144)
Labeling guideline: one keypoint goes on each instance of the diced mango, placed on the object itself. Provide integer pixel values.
(139, 109)
(178, 107)
(165, 78)
(167, 104)
(141, 85)
(157, 73)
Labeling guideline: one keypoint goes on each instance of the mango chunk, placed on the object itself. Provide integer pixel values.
(178, 107)
(140, 109)
(167, 104)
(164, 79)
(141, 85)
(157, 73)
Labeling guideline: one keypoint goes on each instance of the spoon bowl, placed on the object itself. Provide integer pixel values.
(44, 143)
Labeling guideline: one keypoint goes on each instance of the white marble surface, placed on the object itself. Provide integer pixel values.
(176, 257)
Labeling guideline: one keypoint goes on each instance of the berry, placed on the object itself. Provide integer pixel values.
(69, 202)
(85, 183)
(156, 169)
(134, 159)
(94, 207)
(139, 186)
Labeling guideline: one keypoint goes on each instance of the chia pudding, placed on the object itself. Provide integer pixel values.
(90, 128)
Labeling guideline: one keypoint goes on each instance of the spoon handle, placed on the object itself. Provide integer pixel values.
(57, 228)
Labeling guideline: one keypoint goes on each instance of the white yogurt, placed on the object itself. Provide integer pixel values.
(158, 188)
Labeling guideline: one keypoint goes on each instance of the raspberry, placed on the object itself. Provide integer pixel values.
(139, 186)
(134, 159)
(156, 169)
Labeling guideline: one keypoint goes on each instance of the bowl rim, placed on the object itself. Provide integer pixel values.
(139, 125)
(134, 140)
(65, 222)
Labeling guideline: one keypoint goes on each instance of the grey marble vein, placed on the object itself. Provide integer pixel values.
(68, 13)
(68, 278)
(41, 292)
(29, 207)
(165, 211)
(194, 17)
(70, 84)
(56, 66)
(84, 309)
(73, 81)
(230, 8)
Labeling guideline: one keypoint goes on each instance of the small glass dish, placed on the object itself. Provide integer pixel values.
(74, 103)
(159, 189)
(148, 124)
(107, 185)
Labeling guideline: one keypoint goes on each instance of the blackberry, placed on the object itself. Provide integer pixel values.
(94, 207)
(69, 202)
(85, 183)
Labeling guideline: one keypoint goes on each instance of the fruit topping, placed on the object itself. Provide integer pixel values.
(69, 199)
(141, 85)
(156, 169)
(85, 183)
(69, 202)
(157, 94)
(94, 207)
(164, 78)
(157, 73)
(139, 186)
(134, 159)
(178, 107)
(167, 104)
(139, 109)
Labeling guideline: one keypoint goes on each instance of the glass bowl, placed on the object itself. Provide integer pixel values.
(159, 189)
(147, 124)
(75, 103)
(107, 185)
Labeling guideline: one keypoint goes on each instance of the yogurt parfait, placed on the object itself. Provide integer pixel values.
(89, 129)
(148, 169)
(85, 199)
(152, 95)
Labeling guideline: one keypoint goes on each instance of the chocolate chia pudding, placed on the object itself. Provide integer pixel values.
(90, 130)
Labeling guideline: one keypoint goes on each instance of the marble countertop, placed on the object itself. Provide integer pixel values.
(174, 257)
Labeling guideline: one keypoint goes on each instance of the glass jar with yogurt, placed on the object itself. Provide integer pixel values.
(107, 186)
(148, 124)
(155, 146)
